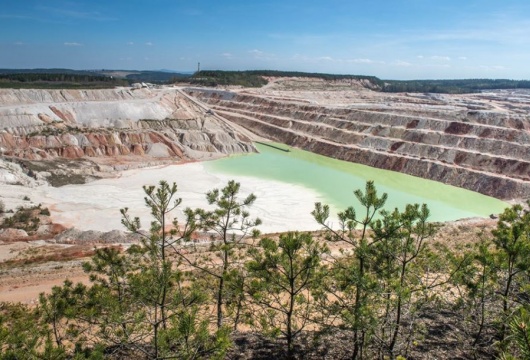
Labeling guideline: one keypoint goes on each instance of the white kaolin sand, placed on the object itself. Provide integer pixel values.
(96, 205)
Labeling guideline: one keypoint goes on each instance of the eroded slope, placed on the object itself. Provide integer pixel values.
(113, 127)
(479, 142)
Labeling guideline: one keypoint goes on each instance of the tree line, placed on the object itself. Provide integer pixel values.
(58, 80)
(65, 78)
(461, 86)
(372, 282)
(225, 78)
(323, 76)
(256, 78)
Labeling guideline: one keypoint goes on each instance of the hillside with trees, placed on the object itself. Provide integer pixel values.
(58, 81)
(210, 287)
(254, 78)
(156, 77)
(225, 78)
(82, 79)
(67, 78)
(462, 86)
(257, 78)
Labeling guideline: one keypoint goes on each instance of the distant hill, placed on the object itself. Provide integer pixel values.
(255, 78)
(453, 86)
(68, 78)
(156, 76)
(58, 80)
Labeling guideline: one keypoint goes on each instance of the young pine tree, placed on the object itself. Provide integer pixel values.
(282, 275)
(351, 288)
(174, 311)
(229, 226)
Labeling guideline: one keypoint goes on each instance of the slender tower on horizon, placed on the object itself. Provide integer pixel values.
(198, 67)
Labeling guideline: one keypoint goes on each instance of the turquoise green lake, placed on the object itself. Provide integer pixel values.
(336, 180)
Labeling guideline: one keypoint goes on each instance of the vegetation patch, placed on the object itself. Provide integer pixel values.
(68, 254)
(461, 86)
(257, 78)
(58, 81)
(26, 219)
(61, 171)
(375, 288)
(226, 78)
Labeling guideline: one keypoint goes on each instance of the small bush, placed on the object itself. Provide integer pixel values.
(24, 219)
(2, 207)
(23, 216)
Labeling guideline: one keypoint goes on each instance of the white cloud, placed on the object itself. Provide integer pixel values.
(261, 55)
(299, 57)
(227, 55)
(363, 61)
(130, 43)
(72, 44)
(74, 14)
(149, 43)
(462, 58)
(319, 59)
(19, 43)
(492, 67)
(439, 66)
(401, 63)
(440, 58)
(420, 56)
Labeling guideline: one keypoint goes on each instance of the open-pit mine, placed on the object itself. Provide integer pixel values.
(51, 138)
(84, 154)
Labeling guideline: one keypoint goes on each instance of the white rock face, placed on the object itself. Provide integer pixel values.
(16, 186)
(94, 108)
(7, 177)
(12, 174)
(158, 150)
(157, 123)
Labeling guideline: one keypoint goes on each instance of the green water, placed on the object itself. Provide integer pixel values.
(336, 180)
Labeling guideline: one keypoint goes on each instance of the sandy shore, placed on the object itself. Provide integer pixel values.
(96, 205)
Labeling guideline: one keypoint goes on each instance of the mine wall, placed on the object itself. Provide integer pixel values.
(107, 143)
(483, 152)
(45, 124)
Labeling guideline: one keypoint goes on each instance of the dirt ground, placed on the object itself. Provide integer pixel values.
(28, 268)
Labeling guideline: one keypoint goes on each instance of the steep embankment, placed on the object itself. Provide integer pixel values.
(140, 124)
(470, 142)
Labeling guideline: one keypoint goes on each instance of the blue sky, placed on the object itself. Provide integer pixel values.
(391, 39)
